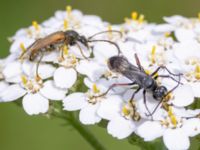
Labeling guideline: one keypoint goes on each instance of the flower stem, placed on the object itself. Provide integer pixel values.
(81, 129)
(87, 135)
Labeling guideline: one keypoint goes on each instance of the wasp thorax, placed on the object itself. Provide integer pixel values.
(118, 64)
(149, 83)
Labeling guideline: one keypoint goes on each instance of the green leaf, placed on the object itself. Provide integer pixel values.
(153, 145)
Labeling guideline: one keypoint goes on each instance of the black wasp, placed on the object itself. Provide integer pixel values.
(139, 77)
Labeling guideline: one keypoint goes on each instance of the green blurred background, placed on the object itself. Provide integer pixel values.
(18, 131)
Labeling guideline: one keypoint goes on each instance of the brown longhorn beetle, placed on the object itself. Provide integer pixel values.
(69, 37)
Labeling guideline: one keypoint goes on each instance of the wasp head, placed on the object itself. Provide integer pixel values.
(160, 92)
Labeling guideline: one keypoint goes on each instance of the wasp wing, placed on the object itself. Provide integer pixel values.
(135, 74)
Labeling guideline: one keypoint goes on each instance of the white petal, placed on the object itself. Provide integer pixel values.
(181, 50)
(89, 30)
(192, 127)
(110, 107)
(45, 70)
(183, 34)
(3, 85)
(88, 114)
(176, 139)
(12, 93)
(163, 28)
(195, 87)
(120, 127)
(65, 78)
(15, 47)
(150, 130)
(76, 51)
(74, 101)
(94, 71)
(51, 92)
(35, 104)
(184, 96)
(50, 57)
(92, 20)
(103, 51)
(175, 20)
(16, 79)
(12, 69)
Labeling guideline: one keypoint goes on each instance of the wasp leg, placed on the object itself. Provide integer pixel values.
(113, 43)
(145, 104)
(138, 63)
(114, 85)
(170, 91)
(191, 117)
(134, 93)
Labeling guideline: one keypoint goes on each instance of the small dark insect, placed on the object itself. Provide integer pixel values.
(69, 37)
(139, 77)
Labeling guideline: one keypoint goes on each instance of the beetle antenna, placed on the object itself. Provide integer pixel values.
(116, 31)
(113, 43)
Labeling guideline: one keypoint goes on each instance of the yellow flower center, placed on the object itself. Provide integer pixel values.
(24, 79)
(197, 72)
(65, 50)
(32, 85)
(68, 10)
(65, 24)
(169, 96)
(74, 60)
(141, 18)
(127, 20)
(110, 36)
(167, 34)
(22, 47)
(126, 111)
(36, 25)
(199, 16)
(134, 15)
(95, 89)
(172, 117)
(153, 55)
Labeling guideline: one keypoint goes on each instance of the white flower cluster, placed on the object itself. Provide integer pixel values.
(174, 44)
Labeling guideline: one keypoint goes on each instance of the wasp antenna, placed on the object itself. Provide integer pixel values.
(102, 32)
